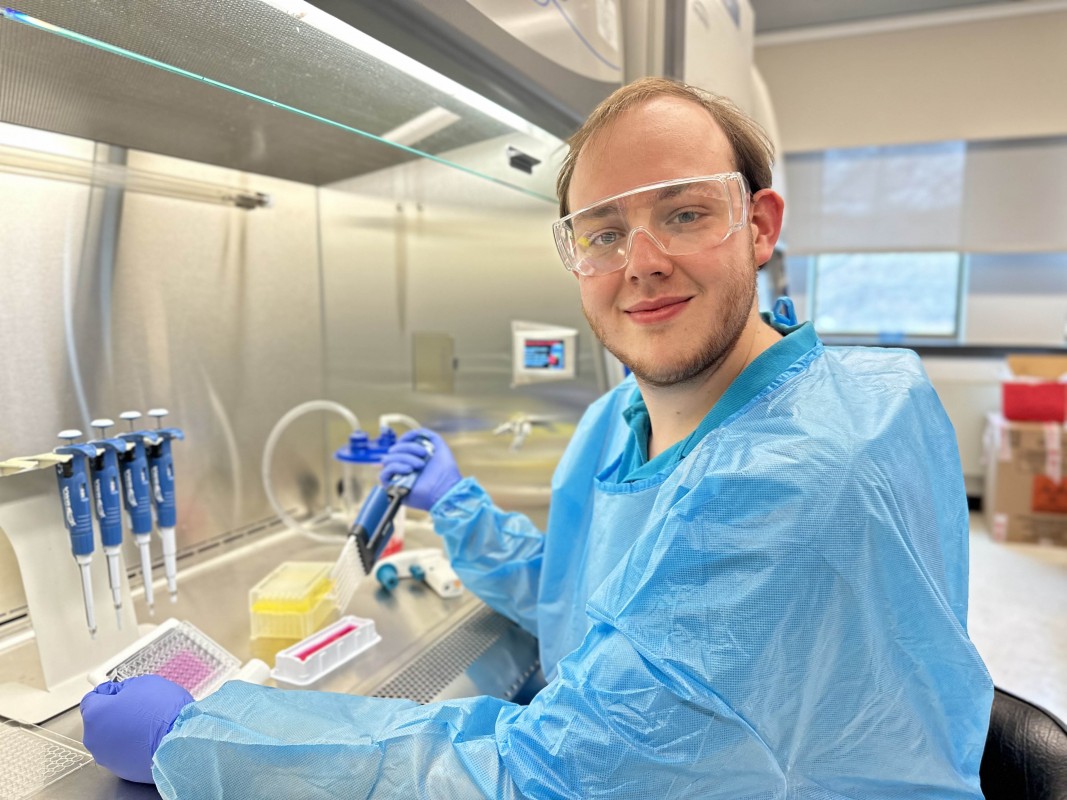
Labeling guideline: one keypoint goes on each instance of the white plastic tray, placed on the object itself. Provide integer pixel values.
(321, 653)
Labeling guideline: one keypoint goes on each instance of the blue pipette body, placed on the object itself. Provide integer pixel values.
(133, 465)
(161, 470)
(107, 489)
(74, 491)
(136, 488)
(107, 492)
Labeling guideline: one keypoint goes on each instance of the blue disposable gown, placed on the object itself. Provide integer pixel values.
(781, 615)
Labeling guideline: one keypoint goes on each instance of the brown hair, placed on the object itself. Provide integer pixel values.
(752, 149)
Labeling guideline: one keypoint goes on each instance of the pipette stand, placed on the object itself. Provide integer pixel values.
(31, 517)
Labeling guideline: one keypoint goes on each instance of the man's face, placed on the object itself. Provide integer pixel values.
(669, 318)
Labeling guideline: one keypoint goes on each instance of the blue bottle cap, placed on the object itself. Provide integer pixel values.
(361, 449)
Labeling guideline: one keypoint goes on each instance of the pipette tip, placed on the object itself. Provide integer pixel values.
(174, 597)
(118, 616)
(92, 633)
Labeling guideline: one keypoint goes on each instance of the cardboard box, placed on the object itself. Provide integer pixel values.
(1025, 498)
(1036, 390)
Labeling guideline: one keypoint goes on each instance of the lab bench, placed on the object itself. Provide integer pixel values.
(431, 648)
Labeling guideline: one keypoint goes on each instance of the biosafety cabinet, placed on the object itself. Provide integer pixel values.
(230, 208)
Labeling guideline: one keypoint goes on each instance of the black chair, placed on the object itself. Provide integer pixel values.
(1026, 753)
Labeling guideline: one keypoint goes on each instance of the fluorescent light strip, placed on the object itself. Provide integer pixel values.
(422, 126)
(343, 32)
(15, 160)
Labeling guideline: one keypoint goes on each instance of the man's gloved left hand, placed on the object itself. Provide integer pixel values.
(124, 722)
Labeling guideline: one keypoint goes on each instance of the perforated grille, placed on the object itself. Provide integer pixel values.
(423, 679)
(32, 758)
(69, 86)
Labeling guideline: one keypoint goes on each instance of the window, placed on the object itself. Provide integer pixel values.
(890, 296)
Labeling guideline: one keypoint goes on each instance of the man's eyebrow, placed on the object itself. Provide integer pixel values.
(599, 212)
(612, 209)
(671, 191)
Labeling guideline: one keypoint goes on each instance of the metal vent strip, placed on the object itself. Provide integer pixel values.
(424, 678)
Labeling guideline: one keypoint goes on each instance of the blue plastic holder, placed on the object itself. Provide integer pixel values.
(362, 449)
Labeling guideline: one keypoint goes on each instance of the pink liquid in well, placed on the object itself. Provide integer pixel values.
(185, 669)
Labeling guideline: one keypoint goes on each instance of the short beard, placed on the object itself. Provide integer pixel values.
(716, 347)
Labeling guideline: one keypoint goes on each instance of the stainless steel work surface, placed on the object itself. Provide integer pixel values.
(432, 648)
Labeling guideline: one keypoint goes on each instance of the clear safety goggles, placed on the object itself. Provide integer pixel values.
(682, 217)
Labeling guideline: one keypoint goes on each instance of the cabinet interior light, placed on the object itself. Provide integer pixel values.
(15, 160)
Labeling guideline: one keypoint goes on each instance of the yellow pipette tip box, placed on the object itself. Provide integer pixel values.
(293, 601)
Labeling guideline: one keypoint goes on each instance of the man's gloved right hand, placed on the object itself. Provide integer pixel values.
(125, 721)
(437, 470)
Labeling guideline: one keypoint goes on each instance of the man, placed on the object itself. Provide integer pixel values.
(753, 582)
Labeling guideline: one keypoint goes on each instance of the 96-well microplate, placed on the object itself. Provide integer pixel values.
(32, 758)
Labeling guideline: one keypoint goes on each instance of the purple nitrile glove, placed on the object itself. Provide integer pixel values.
(437, 470)
(125, 721)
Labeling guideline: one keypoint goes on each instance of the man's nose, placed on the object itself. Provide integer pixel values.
(645, 256)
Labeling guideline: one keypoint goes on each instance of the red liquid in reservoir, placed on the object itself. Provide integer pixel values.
(309, 651)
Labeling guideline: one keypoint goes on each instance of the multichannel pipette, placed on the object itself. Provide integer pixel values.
(374, 522)
(78, 513)
(133, 465)
(161, 471)
(107, 492)
(372, 527)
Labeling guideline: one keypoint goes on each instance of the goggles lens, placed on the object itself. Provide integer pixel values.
(681, 216)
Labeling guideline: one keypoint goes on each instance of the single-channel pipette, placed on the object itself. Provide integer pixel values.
(78, 513)
(107, 492)
(161, 472)
(133, 465)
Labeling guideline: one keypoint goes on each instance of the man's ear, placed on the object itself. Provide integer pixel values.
(765, 221)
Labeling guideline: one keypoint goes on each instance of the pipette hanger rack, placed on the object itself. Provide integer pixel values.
(31, 518)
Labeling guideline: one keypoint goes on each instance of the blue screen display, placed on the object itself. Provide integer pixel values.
(543, 354)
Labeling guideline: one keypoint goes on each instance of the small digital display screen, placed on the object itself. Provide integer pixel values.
(544, 354)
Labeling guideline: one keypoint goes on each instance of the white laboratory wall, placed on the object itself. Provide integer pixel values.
(969, 389)
(986, 79)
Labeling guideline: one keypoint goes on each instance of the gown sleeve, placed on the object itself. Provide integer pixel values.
(497, 554)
